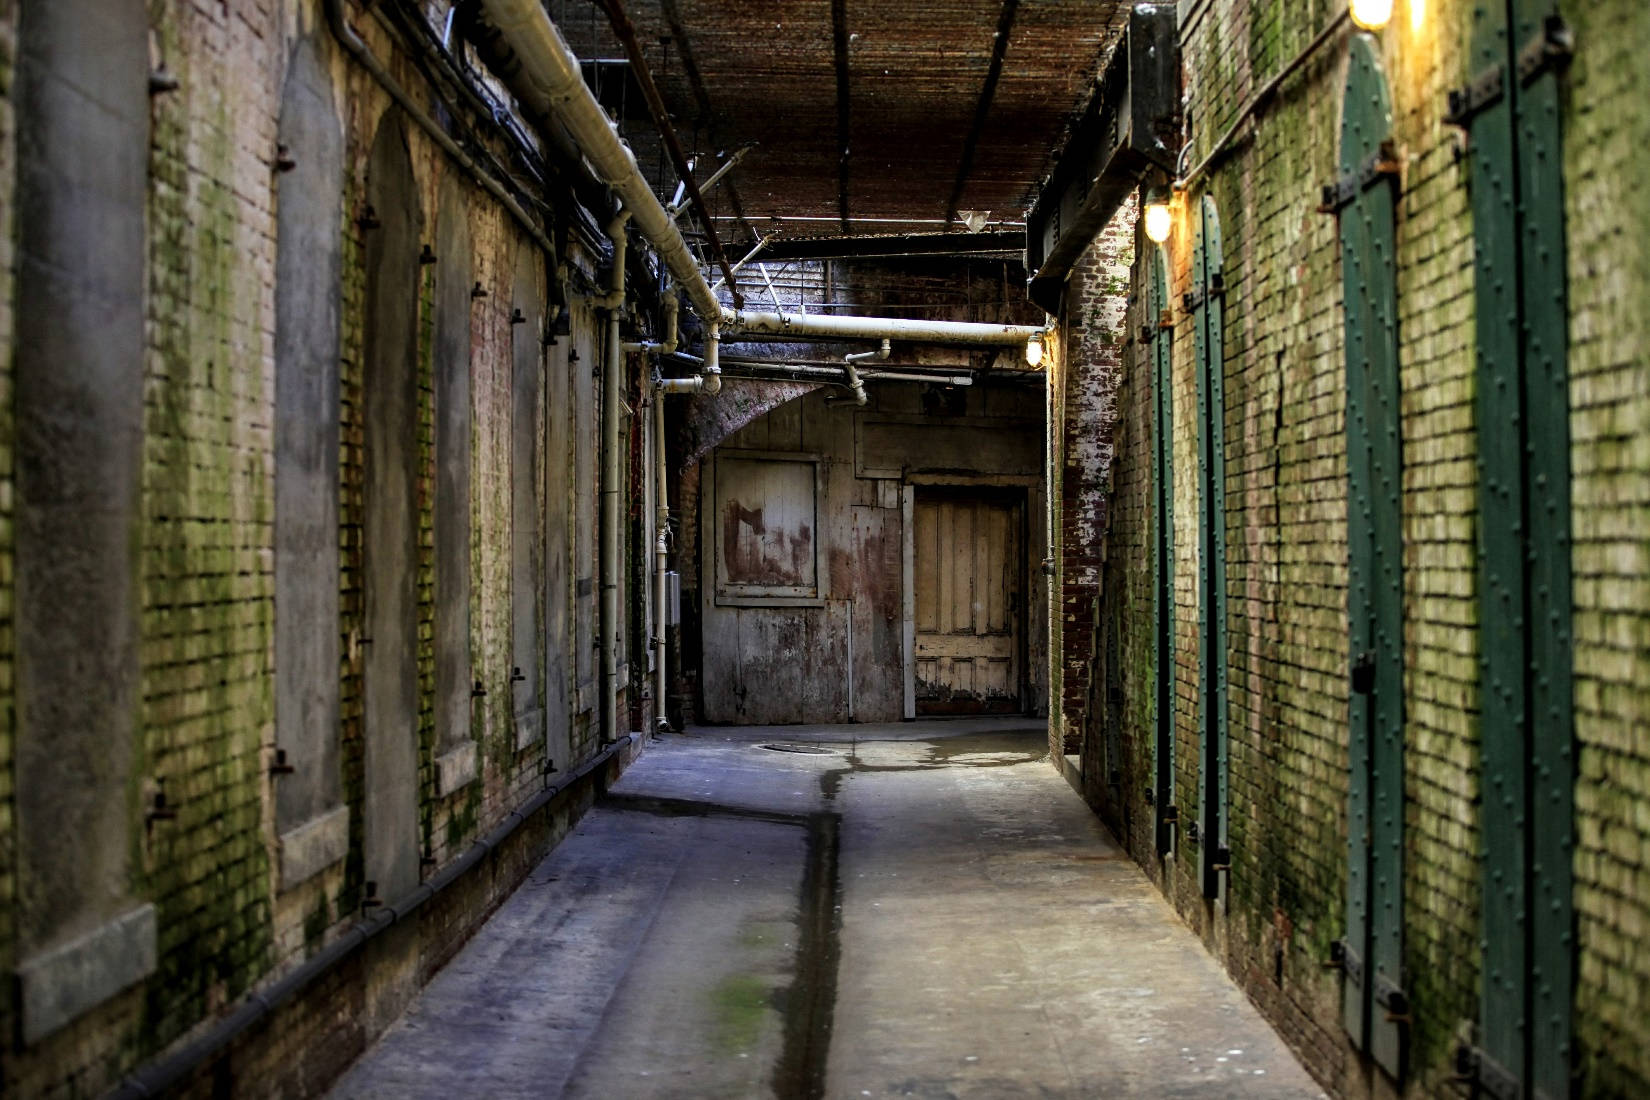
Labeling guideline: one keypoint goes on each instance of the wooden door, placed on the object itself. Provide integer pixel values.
(968, 582)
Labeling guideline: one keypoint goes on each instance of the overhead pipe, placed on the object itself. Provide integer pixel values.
(625, 31)
(612, 391)
(357, 48)
(761, 243)
(668, 344)
(795, 326)
(545, 75)
(851, 365)
(709, 379)
(676, 204)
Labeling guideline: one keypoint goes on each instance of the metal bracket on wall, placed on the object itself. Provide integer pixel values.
(1483, 91)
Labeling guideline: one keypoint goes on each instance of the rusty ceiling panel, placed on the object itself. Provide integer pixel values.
(735, 71)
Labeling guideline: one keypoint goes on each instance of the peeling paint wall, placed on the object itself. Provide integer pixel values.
(776, 650)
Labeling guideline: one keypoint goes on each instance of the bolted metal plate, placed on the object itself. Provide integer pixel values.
(1375, 710)
(1527, 724)
(1163, 617)
(1209, 342)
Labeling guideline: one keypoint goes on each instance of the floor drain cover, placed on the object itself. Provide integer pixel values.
(808, 750)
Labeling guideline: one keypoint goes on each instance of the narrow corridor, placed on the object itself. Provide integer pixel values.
(916, 909)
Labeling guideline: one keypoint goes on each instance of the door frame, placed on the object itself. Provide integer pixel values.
(1031, 490)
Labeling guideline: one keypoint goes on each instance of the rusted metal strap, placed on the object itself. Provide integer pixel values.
(1382, 164)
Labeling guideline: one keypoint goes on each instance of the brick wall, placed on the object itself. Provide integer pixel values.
(8, 262)
(1286, 527)
(1606, 153)
(1083, 388)
(206, 720)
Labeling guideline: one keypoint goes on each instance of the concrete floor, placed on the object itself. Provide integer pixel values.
(917, 909)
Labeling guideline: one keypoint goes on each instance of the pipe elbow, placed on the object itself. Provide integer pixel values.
(712, 372)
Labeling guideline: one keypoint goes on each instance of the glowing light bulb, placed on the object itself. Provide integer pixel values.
(1371, 15)
(1159, 221)
(1034, 351)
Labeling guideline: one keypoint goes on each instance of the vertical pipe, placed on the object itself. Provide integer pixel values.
(850, 660)
(661, 554)
(611, 392)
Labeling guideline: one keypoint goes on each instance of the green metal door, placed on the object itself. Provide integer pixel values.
(1160, 330)
(1373, 1002)
(1511, 107)
(1204, 303)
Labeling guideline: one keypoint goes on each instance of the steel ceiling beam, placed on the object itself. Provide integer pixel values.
(1003, 242)
(626, 33)
(839, 35)
(1130, 125)
(982, 108)
(701, 97)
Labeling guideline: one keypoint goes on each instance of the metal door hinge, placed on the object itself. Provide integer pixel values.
(1393, 999)
(1548, 50)
(1491, 1078)
(1383, 164)
(1481, 92)
(1352, 964)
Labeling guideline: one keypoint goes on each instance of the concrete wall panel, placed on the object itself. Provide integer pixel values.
(390, 537)
(453, 411)
(527, 495)
(309, 203)
(83, 129)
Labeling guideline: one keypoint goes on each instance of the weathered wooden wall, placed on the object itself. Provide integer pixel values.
(776, 649)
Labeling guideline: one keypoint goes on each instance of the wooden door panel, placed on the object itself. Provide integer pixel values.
(967, 577)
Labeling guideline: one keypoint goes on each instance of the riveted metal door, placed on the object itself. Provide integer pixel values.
(1208, 328)
(1372, 953)
(1511, 107)
(968, 605)
(1161, 333)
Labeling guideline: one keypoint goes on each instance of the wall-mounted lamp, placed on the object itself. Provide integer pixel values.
(1371, 15)
(1159, 218)
(1034, 352)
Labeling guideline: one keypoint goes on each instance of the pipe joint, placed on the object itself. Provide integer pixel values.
(851, 363)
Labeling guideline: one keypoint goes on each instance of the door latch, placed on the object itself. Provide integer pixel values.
(1363, 673)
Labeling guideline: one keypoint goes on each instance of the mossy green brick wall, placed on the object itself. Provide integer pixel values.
(8, 259)
(1286, 530)
(207, 592)
(1607, 207)
(206, 724)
